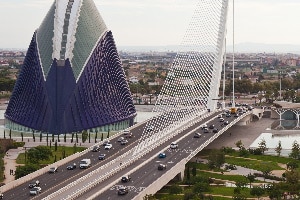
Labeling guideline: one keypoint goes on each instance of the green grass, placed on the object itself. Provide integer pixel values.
(2, 167)
(59, 154)
(224, 177)
(253, 164)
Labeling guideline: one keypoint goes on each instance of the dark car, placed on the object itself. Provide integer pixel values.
(96, 148)
(122, 190)
(197, 135)
(212, 126)
(236, 115)
(228, 115)
(34, 184)
(215, 130)
(206, 130)
(128, 135)
(125, 178)
(53, 169)
(71, 167)
(162, 167)
(221, 119)
(226, 123)
(102, 156)
(162, 155)
(106, 142)
(123, 142)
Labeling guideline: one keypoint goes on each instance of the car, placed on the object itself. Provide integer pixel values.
(35, 191)
(53, 169)
(108, 146)
(228, 115)
(125, 178)
(34, 184)
(162, 155)
(161, 166)
(71, 167)
(226, 123)
(236, 115)
(1, 196)
(211, 126)
(221, 119)
(106, 142)
(215, 130)
(123, 142)
(120, 139)
(149, 128)
(102, 156)
(126, 132)
(219, 116)
(206, 130)
(197, 135)
(204, 126)
(128, 135)
(174, 145)
(122, 190)
(96, 148)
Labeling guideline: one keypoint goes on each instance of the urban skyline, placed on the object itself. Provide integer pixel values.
(162, 23)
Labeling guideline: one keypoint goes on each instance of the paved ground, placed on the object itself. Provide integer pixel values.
(247, 134)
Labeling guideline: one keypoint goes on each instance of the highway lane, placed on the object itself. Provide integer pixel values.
(153, 153)
(52, 182)
(149, 172)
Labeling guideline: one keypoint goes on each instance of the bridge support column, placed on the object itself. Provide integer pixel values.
(180, 176)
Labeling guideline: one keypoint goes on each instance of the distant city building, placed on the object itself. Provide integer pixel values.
(72, 78)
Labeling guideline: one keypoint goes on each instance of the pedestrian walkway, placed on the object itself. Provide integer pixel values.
(10, 164)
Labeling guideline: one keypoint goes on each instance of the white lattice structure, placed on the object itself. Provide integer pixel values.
(193, 81)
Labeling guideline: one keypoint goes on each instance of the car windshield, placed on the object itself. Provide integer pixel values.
(83, 162)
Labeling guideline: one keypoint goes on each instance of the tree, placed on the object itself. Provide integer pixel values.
(55, 145)
(239, 144)
(295, 151)
(41, 136)
(194, 171)
(22, 136)
(25, 170)
(65, 137)
(251, 178)
(4, 134)
(33, 136)
(175, 189)
(84, 136)
(9, 133)
(35, 155)
(216, 159)
(278, 148)
(257, 191)
(96, 135)
(102, 137)
(201, 187)
(89, 137)
(292, 165)
(263, 146)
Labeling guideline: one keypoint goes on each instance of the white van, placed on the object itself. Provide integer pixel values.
(85, 163)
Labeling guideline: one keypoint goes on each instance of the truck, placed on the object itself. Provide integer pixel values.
(233, 110)
(85, 163)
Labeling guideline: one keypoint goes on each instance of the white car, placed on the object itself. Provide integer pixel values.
(108, 146)
(174, 145)
(35, 191)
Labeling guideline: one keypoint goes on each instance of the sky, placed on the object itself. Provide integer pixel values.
(160, 22)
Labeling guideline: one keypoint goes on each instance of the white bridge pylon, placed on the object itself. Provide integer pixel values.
(193, 81)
